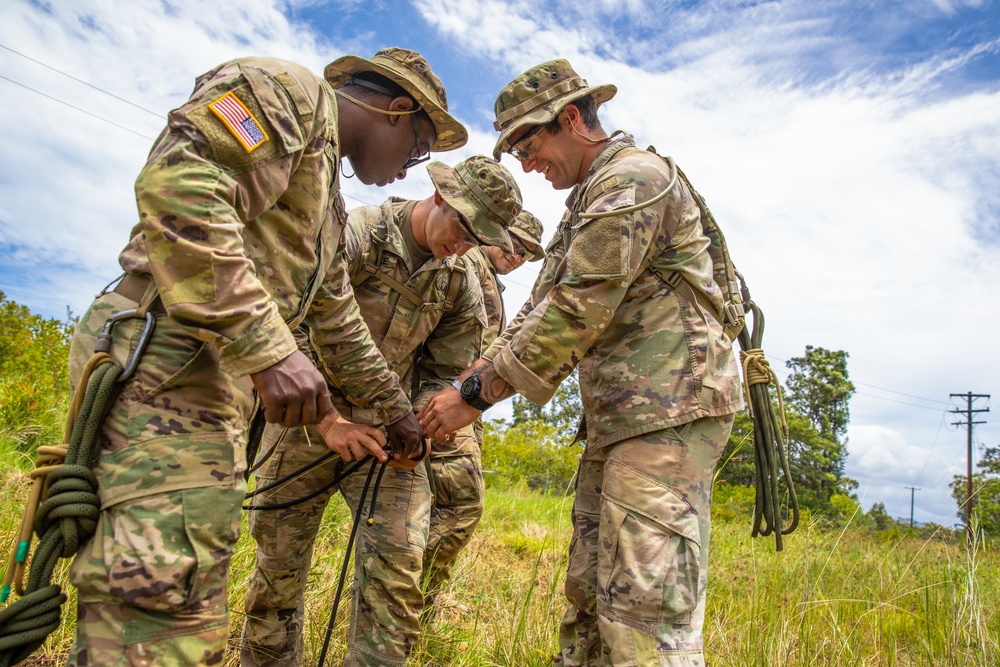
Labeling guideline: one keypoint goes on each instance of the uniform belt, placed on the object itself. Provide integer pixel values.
(133, 287)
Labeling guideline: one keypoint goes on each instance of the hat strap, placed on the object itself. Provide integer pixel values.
(538, 99)
(384, 112)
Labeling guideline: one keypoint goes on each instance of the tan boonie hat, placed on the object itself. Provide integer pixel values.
(484, 192)
(528, 229)
(410, 70)
(538, 95)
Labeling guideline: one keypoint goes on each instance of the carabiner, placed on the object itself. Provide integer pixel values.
(104, 338)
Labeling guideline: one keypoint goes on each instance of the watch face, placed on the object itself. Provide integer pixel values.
(470, 388)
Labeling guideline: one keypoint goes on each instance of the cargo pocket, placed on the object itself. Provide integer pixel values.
(648, 551)
(171, 552)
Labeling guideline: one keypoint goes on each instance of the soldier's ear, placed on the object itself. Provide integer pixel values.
(401, 103)
(438, 199)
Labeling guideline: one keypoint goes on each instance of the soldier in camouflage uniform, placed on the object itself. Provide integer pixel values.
(455, 468)
(240, 216)
(627, 292)
(423, 306)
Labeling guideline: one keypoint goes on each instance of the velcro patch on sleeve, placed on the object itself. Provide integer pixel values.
(240, 122)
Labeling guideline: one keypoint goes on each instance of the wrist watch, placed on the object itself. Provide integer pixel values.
(469, 391)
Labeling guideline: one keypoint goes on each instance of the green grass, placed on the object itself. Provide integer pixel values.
(847, 597)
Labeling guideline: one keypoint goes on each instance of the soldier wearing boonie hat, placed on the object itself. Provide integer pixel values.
(228, 273)
(660, 383)
(409, 70)
(423, 305)
(455, 468)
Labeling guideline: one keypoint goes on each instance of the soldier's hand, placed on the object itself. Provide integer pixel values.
(407, 442)
(445, 414)
(293, 391)
(352, 441)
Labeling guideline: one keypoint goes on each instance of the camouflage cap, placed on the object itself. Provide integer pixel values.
(411, 71)
(483, 191)
(528, 229)
(538, 95)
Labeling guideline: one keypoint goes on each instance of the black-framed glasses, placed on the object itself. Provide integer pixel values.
(417, 156)
(527, 146)
(470, 236)
(520, 249)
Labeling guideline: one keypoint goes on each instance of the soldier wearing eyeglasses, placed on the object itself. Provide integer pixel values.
(423, 304)
(626, 293)
(239, 219)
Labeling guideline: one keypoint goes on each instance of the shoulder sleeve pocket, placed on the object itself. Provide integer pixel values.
(600, 246)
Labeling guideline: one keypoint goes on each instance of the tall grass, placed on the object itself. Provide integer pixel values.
(840, 597)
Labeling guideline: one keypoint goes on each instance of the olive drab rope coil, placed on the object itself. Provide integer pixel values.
(768, 438)
(64, 520)
(68, 515)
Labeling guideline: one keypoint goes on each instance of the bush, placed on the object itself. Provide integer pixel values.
(34, 379)
(532, 453)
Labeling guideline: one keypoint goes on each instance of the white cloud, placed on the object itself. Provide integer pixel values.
(856, 187)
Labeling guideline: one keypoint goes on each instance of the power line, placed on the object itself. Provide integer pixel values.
(76, 108)
(90, 85)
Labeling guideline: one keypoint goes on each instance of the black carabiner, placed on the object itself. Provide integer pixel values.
(104, 338)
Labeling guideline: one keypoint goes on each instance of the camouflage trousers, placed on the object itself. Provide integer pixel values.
(170, 461)
(456, 480)
(638, 562)
(386, 601)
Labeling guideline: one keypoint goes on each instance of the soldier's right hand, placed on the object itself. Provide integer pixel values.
(352, 441)
(293, 391)
(409, 447)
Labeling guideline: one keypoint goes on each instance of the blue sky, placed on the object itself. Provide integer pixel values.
(850, 149)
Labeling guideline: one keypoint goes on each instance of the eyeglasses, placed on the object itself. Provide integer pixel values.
(525, 147)
(470, 236)
(417, 155)
(520, 249)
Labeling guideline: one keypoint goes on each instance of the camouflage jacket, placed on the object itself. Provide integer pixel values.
(648, 358)
(492, 293)
(240, 218)
(430, 333)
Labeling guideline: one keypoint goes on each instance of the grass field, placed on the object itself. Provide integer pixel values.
(832, 597)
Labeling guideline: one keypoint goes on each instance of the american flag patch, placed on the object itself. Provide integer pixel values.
(239, 120)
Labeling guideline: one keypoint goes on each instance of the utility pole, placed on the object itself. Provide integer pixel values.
(968, 423)
(912, 489)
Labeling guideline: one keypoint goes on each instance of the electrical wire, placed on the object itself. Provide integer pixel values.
(89, 85)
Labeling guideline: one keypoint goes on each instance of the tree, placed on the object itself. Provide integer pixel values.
(985, 490)
(820, 389)
(817, 415)
(562, 412)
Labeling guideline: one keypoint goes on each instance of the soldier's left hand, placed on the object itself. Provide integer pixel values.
(445, 414)
(408, 445)
(352, 441)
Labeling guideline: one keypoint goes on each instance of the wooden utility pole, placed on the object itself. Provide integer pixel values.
(968, 423)
(913, 489)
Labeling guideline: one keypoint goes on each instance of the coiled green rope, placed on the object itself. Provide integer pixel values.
(64, 521)
(769, 437)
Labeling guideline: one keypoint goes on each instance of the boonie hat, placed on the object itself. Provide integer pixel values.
(410, 70)
(528, 229)
(484, 192)
(538, 95)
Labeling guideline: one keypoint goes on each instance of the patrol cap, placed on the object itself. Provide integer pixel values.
(484, 192)
(410, 70)
(528, 229)
(538, 95)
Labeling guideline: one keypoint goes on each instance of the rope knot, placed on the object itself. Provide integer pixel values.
(756, 369)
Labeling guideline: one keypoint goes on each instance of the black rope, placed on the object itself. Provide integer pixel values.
(350, 549)
(301, 471)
